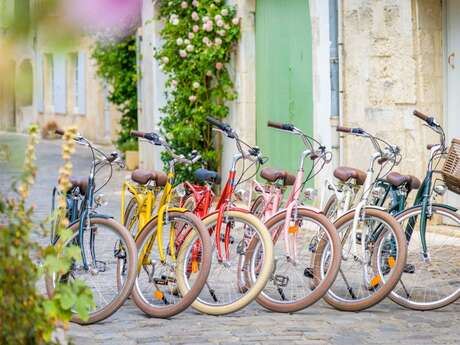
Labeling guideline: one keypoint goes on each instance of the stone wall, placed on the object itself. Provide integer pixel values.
(392, 64)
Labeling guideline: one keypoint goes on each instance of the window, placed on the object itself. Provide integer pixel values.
(59, 83)
(49, 82)
(40, 88)
(78, 61)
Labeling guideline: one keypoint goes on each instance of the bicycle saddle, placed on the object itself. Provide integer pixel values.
(345, 173)
(205, 175)
(396, 179)
(273, 175)
(145, 176)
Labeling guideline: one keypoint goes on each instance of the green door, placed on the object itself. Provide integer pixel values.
(283, 78)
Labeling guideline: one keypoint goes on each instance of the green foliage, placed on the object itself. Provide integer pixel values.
(199, 37)
(27, 316)
(116, 63)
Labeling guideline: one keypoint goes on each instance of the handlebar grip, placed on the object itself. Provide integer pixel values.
(343, 129)
(59, 131)
(283, 126)
(421, 115)
(148, 136)
(137, 134)
(216, 123)
(112, 157)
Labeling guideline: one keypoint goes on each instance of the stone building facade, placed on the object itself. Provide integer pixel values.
(377, 59)
(49, 84)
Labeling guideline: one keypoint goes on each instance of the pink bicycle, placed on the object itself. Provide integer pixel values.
(296, 231)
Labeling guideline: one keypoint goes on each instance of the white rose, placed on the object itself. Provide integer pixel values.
(179, 41)
(190, 48)
(224, 12)
(196, 85)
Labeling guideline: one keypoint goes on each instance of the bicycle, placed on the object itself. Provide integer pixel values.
(102, 241)
(295, 231)
(431, 278)
(232, 229)
(373, 243)
(160, 270)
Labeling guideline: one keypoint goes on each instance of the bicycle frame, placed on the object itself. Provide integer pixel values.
(145, 197)
(272, 195)
(202, 195)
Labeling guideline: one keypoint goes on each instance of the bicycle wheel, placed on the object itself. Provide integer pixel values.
(131, 216)
(105, 243)
(331, 209)
(155, 291)
(293, 286)
(190, 203)
(257, 207)
(359, 285)
(432, 282)
(222, 294)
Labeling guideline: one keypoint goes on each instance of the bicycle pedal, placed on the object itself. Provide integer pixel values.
(281, 281)
(308, 272)
(409, 268)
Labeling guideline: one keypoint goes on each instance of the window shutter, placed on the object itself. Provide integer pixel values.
(81, 83)
(40, 94)
(59, 92)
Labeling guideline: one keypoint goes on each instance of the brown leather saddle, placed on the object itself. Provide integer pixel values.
(344, 174)
(273, 175)
(145, 176)
(397, 180)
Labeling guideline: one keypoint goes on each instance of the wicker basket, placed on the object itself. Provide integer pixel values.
(451, 170)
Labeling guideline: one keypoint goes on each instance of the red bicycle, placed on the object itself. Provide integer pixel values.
(232, 228)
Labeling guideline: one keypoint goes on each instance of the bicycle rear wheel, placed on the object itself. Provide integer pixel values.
(359, 285)
(222, 294)
(106, 243)
(156, 290)
(430, 282)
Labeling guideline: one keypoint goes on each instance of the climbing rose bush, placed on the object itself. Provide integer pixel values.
(199, 37)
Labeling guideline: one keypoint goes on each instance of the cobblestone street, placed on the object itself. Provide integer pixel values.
(386, 323)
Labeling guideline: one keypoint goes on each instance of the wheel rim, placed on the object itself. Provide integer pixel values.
(434, 282)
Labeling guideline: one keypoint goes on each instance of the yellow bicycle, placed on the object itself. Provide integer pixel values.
(156, 292)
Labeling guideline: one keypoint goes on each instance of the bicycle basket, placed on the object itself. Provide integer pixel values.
(451, 170)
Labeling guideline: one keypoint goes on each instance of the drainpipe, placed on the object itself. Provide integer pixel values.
(335, 77)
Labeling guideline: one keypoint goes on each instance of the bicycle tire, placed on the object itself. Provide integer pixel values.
(320, 287)
(384, 290)
(123, 293)
(263, 278)
(190, 295)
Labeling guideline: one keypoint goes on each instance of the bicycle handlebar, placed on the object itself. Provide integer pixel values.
(283, 126)
(358, 131)
(428, 119)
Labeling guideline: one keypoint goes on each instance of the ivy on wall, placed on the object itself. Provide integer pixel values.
(116, 65)
(199, 37)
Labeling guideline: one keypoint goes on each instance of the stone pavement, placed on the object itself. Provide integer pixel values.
(386, 323)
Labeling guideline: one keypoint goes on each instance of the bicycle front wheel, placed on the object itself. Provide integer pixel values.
(359, 284)
(430, 281)
(156, 290)
(222, 294)
(106, 243)
(293, 285)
